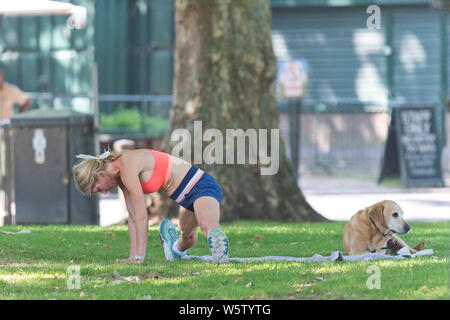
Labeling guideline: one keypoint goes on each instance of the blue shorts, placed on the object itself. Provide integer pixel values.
(196, 184)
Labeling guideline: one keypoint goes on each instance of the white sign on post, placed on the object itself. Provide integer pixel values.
(292, 78)
(39, 146)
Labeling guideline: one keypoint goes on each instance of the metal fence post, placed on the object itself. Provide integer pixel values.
(294, 138)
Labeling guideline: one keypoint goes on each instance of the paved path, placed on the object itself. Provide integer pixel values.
(339, 199)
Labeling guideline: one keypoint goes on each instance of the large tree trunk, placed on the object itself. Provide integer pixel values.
(224, 75)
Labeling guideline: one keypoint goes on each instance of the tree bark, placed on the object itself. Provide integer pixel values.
(224, 76)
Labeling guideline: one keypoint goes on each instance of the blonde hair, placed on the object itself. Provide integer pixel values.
(84, 171)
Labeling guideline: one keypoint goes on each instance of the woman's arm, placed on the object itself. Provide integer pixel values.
(131, 223)
(130, 180)
(141, 222)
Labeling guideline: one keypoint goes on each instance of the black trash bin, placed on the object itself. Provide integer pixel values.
(43, 144)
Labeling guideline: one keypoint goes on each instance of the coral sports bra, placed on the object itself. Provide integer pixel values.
(161, 171)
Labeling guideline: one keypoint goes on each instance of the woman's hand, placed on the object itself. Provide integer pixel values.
(130, 260)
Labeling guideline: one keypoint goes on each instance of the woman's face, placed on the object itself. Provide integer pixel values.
(104, 183)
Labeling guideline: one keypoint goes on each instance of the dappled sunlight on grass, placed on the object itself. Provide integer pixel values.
(171, 281)
(415, 262)
(426, 292)
(35, 265)
(282, 228)
(333, 268)
(22, 277)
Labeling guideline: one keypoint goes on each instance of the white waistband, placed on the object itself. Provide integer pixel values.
(189, 185)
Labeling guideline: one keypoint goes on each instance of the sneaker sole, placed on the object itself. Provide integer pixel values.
(219, 245)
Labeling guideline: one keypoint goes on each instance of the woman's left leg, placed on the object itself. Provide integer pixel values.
(207, 212)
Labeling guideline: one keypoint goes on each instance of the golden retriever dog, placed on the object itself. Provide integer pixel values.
(373, 230)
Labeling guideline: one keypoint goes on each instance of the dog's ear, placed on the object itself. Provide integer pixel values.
(376, 213)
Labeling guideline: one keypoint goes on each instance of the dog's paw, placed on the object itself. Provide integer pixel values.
(419, 247)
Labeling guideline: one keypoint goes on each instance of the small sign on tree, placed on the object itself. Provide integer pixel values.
(292, 78)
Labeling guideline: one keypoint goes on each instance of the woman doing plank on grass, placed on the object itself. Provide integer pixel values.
(141, 171)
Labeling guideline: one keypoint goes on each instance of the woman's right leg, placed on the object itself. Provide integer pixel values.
(187, 224)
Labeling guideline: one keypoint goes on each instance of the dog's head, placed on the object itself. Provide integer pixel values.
(388, 215)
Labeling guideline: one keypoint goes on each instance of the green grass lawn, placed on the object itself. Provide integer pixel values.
(35, 265)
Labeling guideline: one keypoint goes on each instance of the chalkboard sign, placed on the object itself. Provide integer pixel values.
(412, 149)
(417, 143)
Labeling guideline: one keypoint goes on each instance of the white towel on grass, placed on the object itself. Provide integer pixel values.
(18, 232)
(335, 256)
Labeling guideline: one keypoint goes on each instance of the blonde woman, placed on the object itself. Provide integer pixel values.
(141, 171)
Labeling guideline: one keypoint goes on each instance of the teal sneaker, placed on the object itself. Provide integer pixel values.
(168, 233)
(219, 245)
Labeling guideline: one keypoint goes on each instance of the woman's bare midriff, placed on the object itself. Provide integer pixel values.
(179, 170)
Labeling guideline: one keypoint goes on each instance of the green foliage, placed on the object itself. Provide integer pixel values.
(130, 121)
(34, 265)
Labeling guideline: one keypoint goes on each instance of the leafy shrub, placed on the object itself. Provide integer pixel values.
(130, 121)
